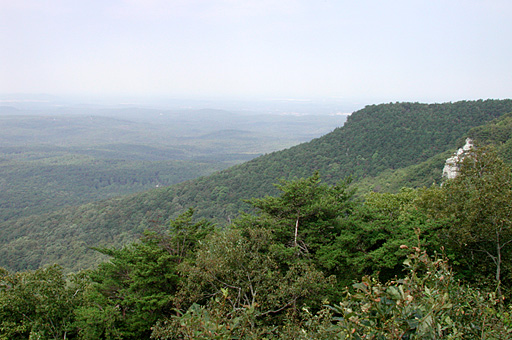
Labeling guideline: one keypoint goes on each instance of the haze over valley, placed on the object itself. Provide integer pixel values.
(54, 156)
(255, 169)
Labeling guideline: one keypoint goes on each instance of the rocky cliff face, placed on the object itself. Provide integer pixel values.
(451, 167)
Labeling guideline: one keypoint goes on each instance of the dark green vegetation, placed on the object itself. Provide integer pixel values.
(70, 157)
(429, 261)
(37, 186)
(384, 147)
(312, 262)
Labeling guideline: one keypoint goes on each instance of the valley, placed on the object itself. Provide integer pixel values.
(350, 234)
(383, 147)
(50, 159)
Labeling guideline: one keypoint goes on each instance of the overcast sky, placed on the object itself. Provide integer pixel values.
(404, 50)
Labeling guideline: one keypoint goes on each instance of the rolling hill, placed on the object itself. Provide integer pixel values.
(50, 159)
(400, 142)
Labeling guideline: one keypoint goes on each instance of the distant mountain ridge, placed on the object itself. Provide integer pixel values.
(56, 157)
(375, 140)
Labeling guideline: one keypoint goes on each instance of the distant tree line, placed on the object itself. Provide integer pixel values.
(381, 147)
(312, 261)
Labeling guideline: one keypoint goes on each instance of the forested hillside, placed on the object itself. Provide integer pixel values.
(311, 262)
(39, 186)
(497, 132)
(374, 140)
(58, 157)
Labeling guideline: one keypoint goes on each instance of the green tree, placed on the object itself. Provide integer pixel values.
(39, 304)
(369, 239)
(427, 303)
(139, 282)
(305, 216)
(237, 287)
(479, 201)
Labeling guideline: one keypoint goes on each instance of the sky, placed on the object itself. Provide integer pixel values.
(375, 51)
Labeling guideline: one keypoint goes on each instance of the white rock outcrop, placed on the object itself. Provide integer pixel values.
(451, 167)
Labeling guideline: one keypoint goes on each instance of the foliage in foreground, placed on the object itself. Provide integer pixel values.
(376, 139)
(428, 303)
(39, 304)
(282, 272)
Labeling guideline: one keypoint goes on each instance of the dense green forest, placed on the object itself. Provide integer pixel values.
(419, 138)
(65, 157)
(312, 262)
(38, 186)
(348, 242)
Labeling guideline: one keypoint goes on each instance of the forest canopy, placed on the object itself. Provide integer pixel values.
(312, 262)
(382, 147)
(340, 240)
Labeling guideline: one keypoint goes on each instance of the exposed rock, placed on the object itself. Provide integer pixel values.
(451, 167)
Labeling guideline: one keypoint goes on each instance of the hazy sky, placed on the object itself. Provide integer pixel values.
(430, 50)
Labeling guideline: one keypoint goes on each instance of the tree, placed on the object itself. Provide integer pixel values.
(427, 303)
(305, 215)
(139, 282)
(237, 287)
(369, 239)
(39, 304)
(479, 200)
